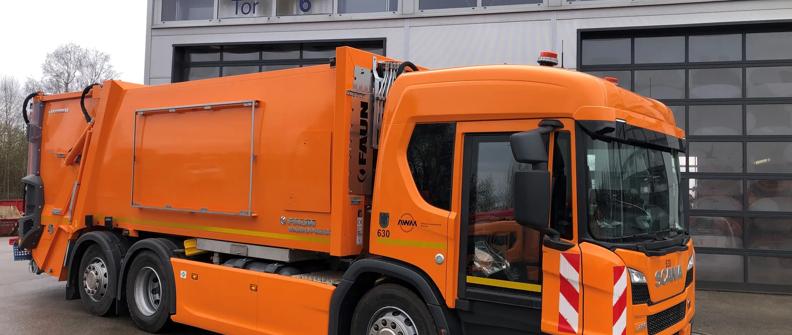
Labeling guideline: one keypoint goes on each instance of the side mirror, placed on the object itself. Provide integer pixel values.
(529, 146)
(532, 199)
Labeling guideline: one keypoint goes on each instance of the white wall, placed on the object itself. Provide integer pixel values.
(459, 40)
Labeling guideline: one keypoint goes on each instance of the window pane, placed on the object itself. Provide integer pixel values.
(508, 2)
(715, 83)
(679, 116)
(203, 54)
(367, 6)
(280, 51)
(241, 52)
(715, 48)
(760, 46)
(670, 49)
(319, 50)
(769, 81)
(278, 67)
(622, 76)
(715, 157)
(178, 10)
(660, 84)
(245, 8)
(770, 157)
(715, 194)
(769, 119)
(498, 247)
(716, 120)
(716, 231)
(237, 70)
(769, 270)
(719, 268)
(195, 73)
(439, 4)
(430, 156)
(606, 51)
(770, 234)
(770, 195)
(297, 7)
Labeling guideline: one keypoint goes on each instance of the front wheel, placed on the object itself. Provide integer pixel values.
(391, 309)
(147, 293)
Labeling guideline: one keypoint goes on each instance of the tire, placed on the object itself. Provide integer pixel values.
(147, 296)
(97, 281)
(393, 306)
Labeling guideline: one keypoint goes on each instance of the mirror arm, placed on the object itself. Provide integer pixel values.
(556, 243)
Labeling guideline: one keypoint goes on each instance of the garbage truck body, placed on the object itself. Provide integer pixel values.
(364, 196)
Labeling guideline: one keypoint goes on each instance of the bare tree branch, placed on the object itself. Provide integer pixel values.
(71, 67)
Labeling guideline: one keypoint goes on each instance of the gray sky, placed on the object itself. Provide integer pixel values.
(31, 29)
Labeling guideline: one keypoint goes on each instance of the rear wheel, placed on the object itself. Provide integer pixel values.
(147, 293)
(98, 280)
(391, 309)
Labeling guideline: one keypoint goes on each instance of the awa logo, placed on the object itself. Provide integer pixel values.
(407, 223)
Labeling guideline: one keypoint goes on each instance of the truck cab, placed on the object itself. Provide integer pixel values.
(536, 199)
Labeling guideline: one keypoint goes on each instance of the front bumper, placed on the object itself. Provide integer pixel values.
(670, 317)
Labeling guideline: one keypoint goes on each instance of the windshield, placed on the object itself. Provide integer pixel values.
(633, 192)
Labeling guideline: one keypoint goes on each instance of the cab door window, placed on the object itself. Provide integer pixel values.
(500, 252)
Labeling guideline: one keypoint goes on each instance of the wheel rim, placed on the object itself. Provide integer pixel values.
(95, 279)
(391, 320)
(148, 291)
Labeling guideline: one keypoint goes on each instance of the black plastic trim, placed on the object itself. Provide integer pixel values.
(409, 274)
(164, 248)
(85, 91)
(30, 227)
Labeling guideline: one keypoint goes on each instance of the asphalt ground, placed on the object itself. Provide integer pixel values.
(35, 304)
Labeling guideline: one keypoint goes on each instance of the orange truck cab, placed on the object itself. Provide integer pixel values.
(367, 196)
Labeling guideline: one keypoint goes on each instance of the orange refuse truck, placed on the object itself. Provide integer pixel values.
(364, 196)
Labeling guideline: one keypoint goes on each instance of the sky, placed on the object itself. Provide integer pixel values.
(31, 29)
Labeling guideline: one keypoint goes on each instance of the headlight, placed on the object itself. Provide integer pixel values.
(636, 277)
(692, 261)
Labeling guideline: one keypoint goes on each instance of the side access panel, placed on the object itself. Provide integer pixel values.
(236, 301)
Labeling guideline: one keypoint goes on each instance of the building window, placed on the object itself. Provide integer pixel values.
(430, 155)
(245, 8)
(202, 62)
(180, 10)
(303, 7)
(442, 4)
(728, 88)
(367, 6)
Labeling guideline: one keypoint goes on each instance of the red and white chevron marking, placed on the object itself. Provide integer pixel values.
(568, 300)
(619, 300)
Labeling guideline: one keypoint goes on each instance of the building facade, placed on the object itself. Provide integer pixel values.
(724, 68)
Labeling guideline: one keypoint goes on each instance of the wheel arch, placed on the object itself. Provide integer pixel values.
(363, 275)
(164, 248)
(112, 245)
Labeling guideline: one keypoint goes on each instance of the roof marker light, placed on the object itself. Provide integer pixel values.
(548, 58)
(613, 80)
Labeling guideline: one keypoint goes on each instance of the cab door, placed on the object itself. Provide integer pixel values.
(504, 268)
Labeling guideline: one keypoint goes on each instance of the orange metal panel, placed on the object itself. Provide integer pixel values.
(235, 301)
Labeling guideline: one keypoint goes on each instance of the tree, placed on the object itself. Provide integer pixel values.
(13, 148)
(71, 67)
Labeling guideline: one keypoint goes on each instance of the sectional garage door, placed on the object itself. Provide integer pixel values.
(730, 87)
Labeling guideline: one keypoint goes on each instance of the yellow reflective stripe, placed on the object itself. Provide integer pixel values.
(411, 243)
(246, 232)
(504, 284)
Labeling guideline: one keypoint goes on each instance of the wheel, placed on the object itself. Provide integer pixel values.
(98, 281)
(391, 309)
(147, 293)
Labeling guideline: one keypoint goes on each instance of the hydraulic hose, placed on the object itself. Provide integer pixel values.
(82, 102)
(404, 66)
(24, 106)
